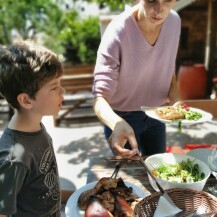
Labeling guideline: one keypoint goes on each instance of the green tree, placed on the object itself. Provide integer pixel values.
(64, 32)
(81, 38)
(112, 4)
(25, 16)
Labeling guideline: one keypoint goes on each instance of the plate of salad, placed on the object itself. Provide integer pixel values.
(181, 115)
(173, 170)
(186, 171)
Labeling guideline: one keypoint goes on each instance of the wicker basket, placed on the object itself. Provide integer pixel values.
(185, 199)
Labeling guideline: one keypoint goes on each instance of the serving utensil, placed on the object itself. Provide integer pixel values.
(164, 194)
(181, 213)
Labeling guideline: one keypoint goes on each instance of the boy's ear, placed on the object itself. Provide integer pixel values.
(24, 100)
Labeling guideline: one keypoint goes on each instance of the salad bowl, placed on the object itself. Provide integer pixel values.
(154, 162)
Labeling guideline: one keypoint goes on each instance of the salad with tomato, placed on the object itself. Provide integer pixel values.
(183, 172)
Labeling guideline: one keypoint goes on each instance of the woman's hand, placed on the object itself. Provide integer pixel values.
(122, 133)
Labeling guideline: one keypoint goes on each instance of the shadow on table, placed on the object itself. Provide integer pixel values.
(198, 134)
(83, 149)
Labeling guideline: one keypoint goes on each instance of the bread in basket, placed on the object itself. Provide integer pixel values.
(186, 199)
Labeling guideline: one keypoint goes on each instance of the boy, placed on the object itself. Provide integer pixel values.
(30, 82)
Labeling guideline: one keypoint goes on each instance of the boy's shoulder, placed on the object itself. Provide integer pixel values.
(22, 146)
(8, 143)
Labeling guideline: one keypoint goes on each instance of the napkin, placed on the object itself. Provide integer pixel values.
(165, 208)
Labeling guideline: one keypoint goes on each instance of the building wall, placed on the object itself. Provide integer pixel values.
(193, 34)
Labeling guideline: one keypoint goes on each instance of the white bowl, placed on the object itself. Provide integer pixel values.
(170, 158)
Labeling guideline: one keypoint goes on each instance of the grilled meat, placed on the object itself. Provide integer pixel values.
(110, 194)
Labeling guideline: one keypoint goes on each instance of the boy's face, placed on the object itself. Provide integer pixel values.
(48, 99)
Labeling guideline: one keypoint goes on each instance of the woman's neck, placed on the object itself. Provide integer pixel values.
(140, 17)
(150, 31)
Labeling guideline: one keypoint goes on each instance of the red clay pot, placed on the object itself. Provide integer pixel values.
(192, 81)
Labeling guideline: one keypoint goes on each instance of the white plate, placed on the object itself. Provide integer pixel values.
(200, 153)
(72, 209)
(206, 116)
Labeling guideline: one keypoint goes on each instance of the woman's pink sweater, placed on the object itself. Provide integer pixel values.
(130, 72)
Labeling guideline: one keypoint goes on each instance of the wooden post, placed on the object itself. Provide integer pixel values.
(211, 44)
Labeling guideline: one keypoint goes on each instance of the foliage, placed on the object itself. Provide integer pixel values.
(29, 18)
(81, 38)
(113, 4)
(62, 31)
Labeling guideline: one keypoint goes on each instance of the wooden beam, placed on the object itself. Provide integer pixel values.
(211, 44)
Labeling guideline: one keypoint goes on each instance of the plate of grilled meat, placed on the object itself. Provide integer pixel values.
(108, 197)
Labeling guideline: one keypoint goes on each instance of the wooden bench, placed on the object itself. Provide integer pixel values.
(77, 78)
(77, 82)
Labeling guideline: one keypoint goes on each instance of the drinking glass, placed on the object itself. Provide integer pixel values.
(212, 162)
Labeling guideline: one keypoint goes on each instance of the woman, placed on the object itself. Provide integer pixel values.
(135, 66)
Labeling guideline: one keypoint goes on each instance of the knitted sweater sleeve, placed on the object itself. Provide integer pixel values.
(108, 62)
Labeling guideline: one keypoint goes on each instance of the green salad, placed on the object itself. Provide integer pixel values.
(183, 172)
(188, 115)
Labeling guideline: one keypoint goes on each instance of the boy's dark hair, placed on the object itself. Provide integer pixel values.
(24, 68)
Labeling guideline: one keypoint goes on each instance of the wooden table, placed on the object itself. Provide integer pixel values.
(131, 171)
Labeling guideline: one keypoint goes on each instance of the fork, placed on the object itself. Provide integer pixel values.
(117, 168)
